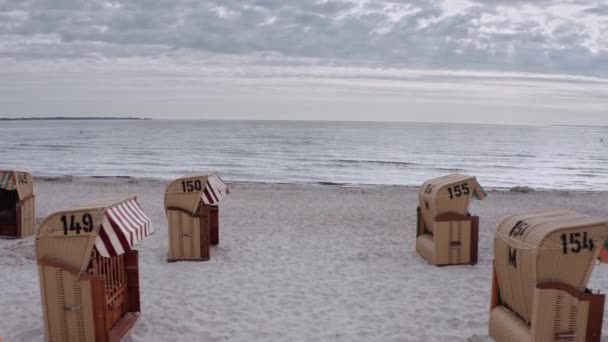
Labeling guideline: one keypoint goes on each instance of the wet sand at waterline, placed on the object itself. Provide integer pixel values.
(294, 263)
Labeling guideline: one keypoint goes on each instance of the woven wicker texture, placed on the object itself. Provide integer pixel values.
(452, 242)
(73, 249)
(558, 316)
(548, 246)
(505, 326)
(440, 195)
(561, 315)
(425, 246)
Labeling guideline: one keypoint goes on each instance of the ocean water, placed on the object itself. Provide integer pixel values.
(552, 157)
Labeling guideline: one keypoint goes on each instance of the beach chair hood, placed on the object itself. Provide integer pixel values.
(112, 227)
(541, 247)
(189, 191)
(20, 181)
(448, 194)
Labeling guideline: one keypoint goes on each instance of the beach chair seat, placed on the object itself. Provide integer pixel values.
(506, 326)
(560, 313)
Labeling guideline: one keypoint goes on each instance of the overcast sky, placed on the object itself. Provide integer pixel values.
(494, 61)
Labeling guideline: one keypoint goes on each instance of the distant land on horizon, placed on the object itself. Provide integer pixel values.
(73, 118)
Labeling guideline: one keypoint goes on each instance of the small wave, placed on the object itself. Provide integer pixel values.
(331, 183)
(588, 175)
(63, 146)
(289, 152)
(112, 177)
(498, 154)
(378, 162)
(447, 169)
(62, 179)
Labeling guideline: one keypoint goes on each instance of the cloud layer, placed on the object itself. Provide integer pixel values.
(492, 61)
(231, 90)
(566, 37)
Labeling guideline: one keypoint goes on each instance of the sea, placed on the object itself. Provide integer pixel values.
(350, 153)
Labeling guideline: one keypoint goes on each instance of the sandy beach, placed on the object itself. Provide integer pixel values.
(294, 263)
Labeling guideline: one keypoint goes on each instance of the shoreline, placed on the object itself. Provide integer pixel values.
(97, 179)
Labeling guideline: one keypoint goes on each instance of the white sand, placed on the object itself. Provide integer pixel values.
(295, 263)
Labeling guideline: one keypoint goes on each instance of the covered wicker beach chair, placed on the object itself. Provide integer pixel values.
(543, 261)
(193, 215)
(17, 208)
(89, 271)
(446, 233)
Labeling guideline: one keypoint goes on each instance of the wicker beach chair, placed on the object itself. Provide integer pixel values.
(446, 233)
(17, 204)
(543, 261)
(89, 273)
(193, 215)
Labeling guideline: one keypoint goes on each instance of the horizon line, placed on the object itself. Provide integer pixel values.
(133, 118)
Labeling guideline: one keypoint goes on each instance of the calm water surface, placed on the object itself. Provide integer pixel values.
(309, 152)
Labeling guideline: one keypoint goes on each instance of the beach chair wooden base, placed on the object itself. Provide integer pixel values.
(9, 231)
(192, 234)
(559, 313)
(214, 226)
(123, 326)
(454, 242)
(99, 306)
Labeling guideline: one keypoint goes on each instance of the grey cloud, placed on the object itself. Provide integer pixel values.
(328, 31)
(521, 2)
(600, 10)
